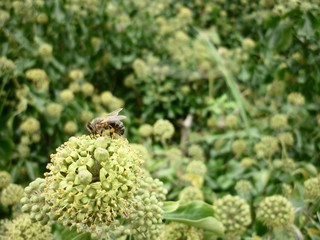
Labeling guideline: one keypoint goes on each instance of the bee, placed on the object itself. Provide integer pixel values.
(111, 122)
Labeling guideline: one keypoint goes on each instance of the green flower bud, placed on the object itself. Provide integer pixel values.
(275, 212)
(312, 189)
(5, 179)
(234, 213)
(30, 125)
(85, 177)
(196, 152)
(296, 99)
(22, 227)
(101, 154)
(190, 194)
(145, 130)
(100, 182)
(243, 187)
(66, 96)
(11, 194)
(279, 121)
(239, 147)
(163, 130)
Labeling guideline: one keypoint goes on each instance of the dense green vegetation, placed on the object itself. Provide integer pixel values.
(222, 100)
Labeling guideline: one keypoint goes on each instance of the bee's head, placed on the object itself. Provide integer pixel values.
(89, 127)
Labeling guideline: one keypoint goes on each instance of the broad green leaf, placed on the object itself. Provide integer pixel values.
(280, 38)
(198, 214)
(261, 179)
(170, 206)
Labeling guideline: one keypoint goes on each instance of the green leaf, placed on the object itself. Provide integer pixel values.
(197, 213)
(32, 169)
(280, 38)
(170, 206)
(82, 236)
(262, 179)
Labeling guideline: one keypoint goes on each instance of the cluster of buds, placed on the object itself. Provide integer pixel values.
(97, 185)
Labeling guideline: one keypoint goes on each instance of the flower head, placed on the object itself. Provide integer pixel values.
(243, 187)
(11, 194)
(30, 125)
(6, 65)
(54, 110)
(5, 179)
(296, 99)
(163, 130)
(196, 152)
(34, 202)
(234, 213)
(92, 181)
(239, 147)
(145, 130)
(177, 231)
(22, 227)
(45, 51)
(266, 147)
(66, 96)
(312, 189)
(76, 75)
(146, 221)
(286, 138)
(279, 121)
(275, 212)
(195, 173)
(190, 194)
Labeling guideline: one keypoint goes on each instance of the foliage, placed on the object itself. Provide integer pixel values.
(221, 98)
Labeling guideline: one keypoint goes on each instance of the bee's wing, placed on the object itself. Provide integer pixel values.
(114, 113)
(113, 118)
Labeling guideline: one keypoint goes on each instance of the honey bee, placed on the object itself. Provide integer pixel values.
(111, 121)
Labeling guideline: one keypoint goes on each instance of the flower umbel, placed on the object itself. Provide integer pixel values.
(234, 213)
(92, 182)
(275, 212)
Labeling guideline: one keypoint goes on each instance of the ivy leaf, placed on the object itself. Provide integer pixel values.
(196, 213)
(280, 38)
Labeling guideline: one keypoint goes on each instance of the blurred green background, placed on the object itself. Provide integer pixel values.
(237, 81)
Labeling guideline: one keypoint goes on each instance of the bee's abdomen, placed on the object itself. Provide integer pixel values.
(118, 126)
